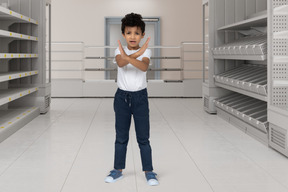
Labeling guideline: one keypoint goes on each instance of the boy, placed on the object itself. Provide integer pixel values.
(131, 98)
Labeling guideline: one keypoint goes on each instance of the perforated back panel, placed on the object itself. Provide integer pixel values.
(280, 96)
(280, 47)
(280, 71)
(280, 50)
(277, 3)
(280, 23)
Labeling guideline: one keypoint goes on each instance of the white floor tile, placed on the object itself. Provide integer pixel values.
(49, 159)
(95, 159)
(19, 142)
(71, 149)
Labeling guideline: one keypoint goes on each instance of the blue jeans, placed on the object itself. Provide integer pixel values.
(127, 104)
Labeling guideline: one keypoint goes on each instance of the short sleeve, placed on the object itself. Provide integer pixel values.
(147, 53)
(117, 52)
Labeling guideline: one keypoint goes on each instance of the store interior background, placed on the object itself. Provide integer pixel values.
(84, 20)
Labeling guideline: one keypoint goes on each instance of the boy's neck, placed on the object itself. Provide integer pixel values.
(133, 48)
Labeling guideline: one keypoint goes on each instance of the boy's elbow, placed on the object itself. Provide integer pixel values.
(146, 62)
(121, 64)
(145, 69)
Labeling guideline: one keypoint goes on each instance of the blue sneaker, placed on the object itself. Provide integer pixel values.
(151, 178)
(114, 176)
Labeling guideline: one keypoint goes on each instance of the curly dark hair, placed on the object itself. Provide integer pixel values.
(132, 20)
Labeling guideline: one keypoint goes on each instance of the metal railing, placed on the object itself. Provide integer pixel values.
(194, 45)
(62, 55)
(178, 61)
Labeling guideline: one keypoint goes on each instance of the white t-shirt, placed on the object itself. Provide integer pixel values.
(130, 78)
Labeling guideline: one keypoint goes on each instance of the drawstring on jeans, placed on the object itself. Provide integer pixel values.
(128, 97)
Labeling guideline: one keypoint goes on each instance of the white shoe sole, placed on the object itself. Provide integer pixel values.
(111, 180)
(153, 182)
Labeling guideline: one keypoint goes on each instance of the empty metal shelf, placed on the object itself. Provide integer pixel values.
(247, 109)
(247, 48)
(250, 78)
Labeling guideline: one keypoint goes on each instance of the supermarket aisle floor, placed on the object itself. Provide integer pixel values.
(70, 149)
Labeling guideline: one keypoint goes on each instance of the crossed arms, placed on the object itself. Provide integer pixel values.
(123, 59)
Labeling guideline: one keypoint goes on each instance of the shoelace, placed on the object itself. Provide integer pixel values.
(113, 172)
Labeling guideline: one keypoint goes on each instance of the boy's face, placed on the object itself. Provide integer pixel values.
(133, 36)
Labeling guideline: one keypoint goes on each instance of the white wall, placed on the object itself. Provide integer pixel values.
(74, 20)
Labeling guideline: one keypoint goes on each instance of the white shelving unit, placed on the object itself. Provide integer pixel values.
(256, 21)
(244, 78)
(13, 118)
(247, 109)
(237, 87)
(16, 75)
(248, 77)
(24, 91)
(246, 48)
(10, 15)
(17, 55)
(9, 95)
(278, 75)
(20, 36)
